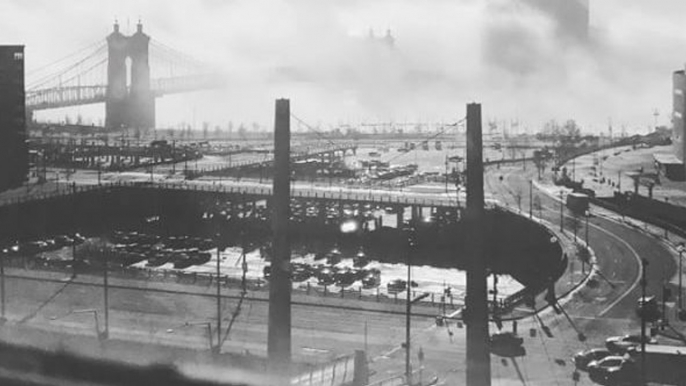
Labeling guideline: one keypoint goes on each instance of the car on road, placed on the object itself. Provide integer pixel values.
(583, 358)
(648, 309)
(620, 344)
(507, 344)
(611, 370)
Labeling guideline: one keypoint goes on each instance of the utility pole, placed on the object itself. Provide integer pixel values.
(279, 328)
(561, 215)
(478, 354)
(408, 312)
(680, 248)
(3, 317)
(531, 199)
(644, 283)
(106, 333)
(219, 294)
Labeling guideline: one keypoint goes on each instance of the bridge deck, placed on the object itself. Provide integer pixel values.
(389, 198)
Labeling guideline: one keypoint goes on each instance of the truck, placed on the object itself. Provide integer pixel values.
(577, 202)
(665, 365)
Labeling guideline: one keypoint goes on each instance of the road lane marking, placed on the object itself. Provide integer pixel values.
(636, 281)
(638, 277)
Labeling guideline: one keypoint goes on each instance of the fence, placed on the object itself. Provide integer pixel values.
(342, 371)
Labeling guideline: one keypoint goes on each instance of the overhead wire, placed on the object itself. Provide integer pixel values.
(432, 137)
(312, 129)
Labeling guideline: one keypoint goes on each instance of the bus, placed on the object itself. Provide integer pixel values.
(577, 202)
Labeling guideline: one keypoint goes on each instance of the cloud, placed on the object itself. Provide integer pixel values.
(523, 58)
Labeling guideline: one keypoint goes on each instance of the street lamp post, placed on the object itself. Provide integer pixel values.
(3, 254)
(680, 248)
(644, 283)
(561, 216)
(217, 348)
(531, 199)
(410, 249)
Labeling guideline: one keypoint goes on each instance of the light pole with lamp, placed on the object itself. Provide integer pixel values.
(587, 214)
(410, 233)
(531, 199)
(680, 248)
(561, 216)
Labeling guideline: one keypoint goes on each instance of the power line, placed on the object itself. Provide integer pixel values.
(312, 129)
(434, 136)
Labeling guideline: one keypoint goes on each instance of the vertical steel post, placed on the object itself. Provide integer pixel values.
(681, 252)
(408, 312)
(106, 296)
(644, 283)
(217, 348)
(279, 329)
(561, 216)
(2, 284)
(531, 199)
(478, 355)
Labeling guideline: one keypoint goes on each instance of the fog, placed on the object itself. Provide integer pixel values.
(530, 60)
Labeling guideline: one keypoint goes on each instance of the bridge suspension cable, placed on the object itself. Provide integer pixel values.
(86, 63)
(40, 72)
(440, 132)
(168, 62)
(319, 134)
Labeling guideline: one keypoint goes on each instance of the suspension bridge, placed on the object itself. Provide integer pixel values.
(126, 73)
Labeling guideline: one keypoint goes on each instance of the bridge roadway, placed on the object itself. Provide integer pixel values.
(67, 96)
(298, 153)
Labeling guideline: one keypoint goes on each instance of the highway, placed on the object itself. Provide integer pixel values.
(608, 308)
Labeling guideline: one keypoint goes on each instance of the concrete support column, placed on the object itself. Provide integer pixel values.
(478, 356)
(279, 329)
(400, 216)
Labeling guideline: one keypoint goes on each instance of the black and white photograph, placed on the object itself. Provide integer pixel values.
(342, 192)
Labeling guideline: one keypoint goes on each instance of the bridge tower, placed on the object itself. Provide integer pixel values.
(116, 99)
(129, 105)
(141, 99)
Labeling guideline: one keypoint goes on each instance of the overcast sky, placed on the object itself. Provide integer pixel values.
(513, 56)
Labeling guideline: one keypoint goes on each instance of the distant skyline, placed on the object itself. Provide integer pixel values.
(513, 56)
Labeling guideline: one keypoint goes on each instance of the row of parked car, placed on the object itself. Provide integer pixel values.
(33, 247)
(612, 365)
(330, 275)
(182, 251)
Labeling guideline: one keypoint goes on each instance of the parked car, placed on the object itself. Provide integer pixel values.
(344, 278)
(583, 358)
(64, 241)
(620, 344)
(300, 272)
(397, 285)
(326, 276)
